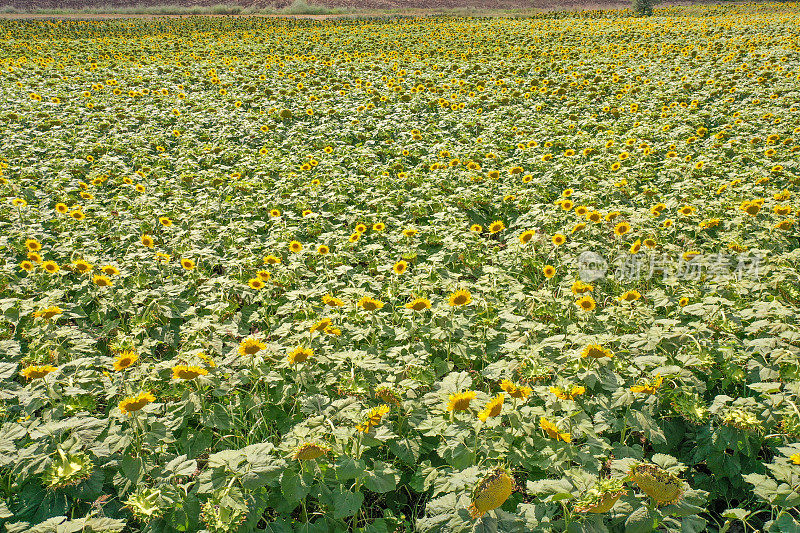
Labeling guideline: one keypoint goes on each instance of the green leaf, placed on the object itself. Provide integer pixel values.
(381, 478)
(642, 520)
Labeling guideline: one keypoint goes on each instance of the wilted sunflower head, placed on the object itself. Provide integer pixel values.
(663, 487)
(145, 504)
(491, 492)
(67, 469)
(308, 451)
(602, 497)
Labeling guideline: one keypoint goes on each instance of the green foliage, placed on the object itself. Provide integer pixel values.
(327, 304)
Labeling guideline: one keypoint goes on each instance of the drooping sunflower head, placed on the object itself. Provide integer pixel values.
(492, 408)
(37, 371)
(602, 497)
(515, 391)
(67, 469)
(188, 372)
(132, 404)
(630, 296)
(251, 347)
(332, 301)
(663, 487)
(373, 418)
(388, 394)
(596, 351)
(125, 360)
(321, 325)
(491, 492)
(308, 451)
(48, 312)
(552, 430)
(459, 298)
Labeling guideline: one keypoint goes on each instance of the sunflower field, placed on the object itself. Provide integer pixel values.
(401, 274)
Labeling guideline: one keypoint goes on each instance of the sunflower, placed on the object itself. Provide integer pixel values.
(687, 210)
(19, 202)
(602, 497)
(162, 257)
(491, 492)
(558, 239)
(400, 267)
(36, 372)
(460, 401)
(663, 487)
(785, 225)
(370, 304)
(35, 257)
(82, 266)
(321, 325)
(48, 312)
(102, 280)
(275, 213)
(263, 275)
(459, 298)
(332, 301)
(574, 392)
(33, 245)
(476, 228)
(496, 227)
(61, 208)
(549, 271)
(187, 264)
(492, 408)
(378, 226)
(410, 232)
(418, 304)
(683, 302)
(308, 451)
(110, 270)
(251, 347)
(611, 215)
(515, 391)
(373, 418)
(354, 237)
(165, 221)
(148, 241)
(552, 430)
(566, 205)
(125, 360)
(51, 267)
(26, 266)
(134, 403)
(272, 260)
(256, 283)
(635, 247)
(526, 236)
(596, 351)
(650, 386)
(387, 394)
(621, 229)
(187, 372)
(579, 287)
(630, 296)
(323, 250)
(360, 228)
